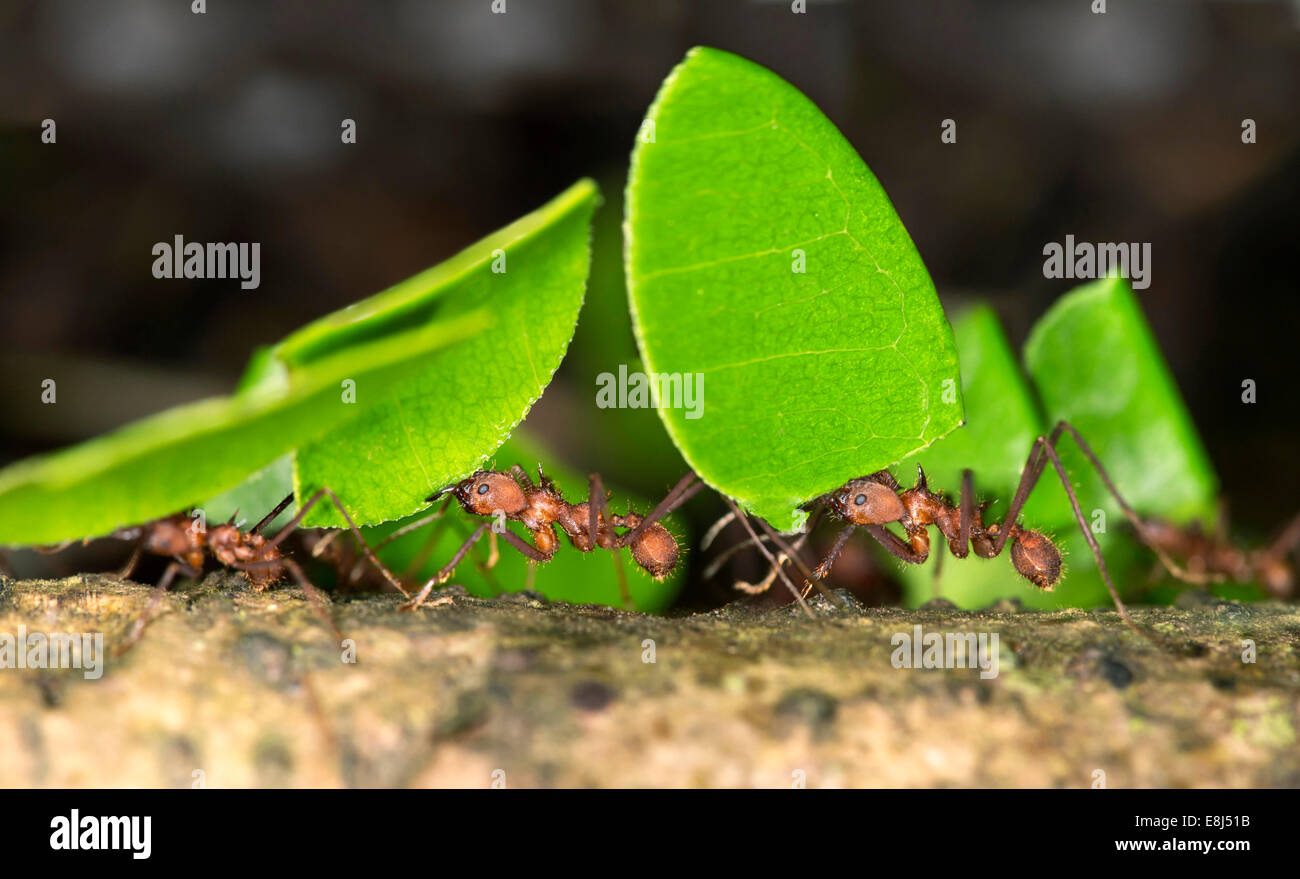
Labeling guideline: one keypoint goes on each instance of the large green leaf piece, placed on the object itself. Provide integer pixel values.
(166, 462)
(764, 256)
(445, 421)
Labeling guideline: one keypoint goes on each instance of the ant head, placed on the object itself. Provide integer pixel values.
(169, 537)
(864, 501)
(1037, 559)
(656, 551)
(488, 491)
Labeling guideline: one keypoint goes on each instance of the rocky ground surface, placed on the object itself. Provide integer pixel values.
(231, 688)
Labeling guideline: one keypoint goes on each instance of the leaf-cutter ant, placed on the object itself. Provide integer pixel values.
(873, 501)
(512, 495)
(188, 541)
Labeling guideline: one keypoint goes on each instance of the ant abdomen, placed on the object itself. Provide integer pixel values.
(655, 549)
(1036, 558)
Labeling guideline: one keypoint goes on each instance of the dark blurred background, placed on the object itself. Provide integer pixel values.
(225, 127)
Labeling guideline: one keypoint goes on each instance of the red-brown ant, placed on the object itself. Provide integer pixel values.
(513, 496)
(870, 502)
(188, 541)
(1211, 558)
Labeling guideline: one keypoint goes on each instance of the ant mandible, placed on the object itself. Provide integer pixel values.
(188, 542)
(512, 495)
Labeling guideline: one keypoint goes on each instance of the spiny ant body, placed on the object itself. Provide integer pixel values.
(873, 501)
(512, 495)
(1212, 558)
(878, 499)
(188, 542)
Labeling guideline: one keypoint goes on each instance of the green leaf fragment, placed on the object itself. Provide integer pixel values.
(1096, 364)
(166, 462)
(763, 254)
(445, 421)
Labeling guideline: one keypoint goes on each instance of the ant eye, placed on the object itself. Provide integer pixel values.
(860, 499)
(483, 488)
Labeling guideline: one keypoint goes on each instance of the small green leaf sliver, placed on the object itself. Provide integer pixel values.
(1095, 363)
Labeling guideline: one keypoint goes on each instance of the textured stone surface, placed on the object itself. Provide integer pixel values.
(250, 690)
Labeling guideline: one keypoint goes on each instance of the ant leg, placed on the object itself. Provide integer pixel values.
(270, 517)
(1028, 479)
(683, 491)
(445, 574)
(827, 563)
(1139, 525)
(131, 562)
(597, 509)
(960, 548)
(484, 567)
(823, 568)
(744, 520)
(716, 528)
(314, 595)
(532, 552)
(967, 517)
(1087, 532)
(155, 598)
(318, 600)
(414, 526)
(624, 592)
(766, 583)
(716, 564)
(356, 532)
(723, 557)
(421, 556)
(894, 544)
(793, 554)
